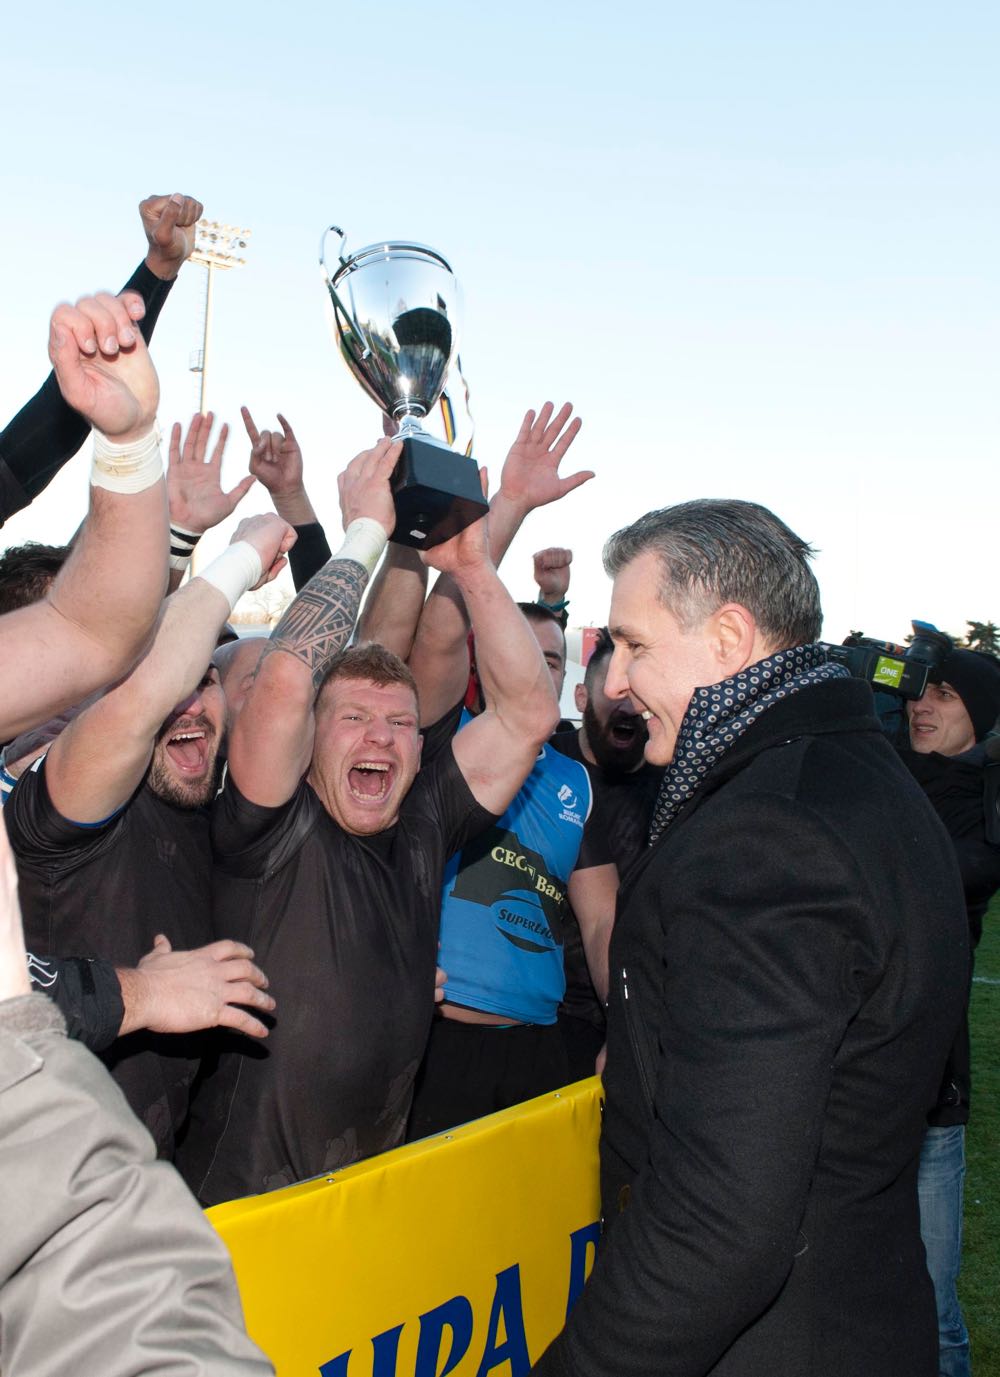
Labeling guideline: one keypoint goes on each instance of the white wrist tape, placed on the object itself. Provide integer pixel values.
(235, 571)
(364, 541)
(182, 543)
(127, 468)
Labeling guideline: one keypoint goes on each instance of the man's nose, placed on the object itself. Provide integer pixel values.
(378, 731)
(192, 706)
(615, 683)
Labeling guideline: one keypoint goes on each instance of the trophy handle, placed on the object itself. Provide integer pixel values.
(448, 411)
(324, 272)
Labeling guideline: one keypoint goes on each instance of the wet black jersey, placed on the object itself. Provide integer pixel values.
(627, 806)
(346, 929)
(106, 891)
(627, 800)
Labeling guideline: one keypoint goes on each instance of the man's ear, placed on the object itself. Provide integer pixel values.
(580, 697)
(734, 637)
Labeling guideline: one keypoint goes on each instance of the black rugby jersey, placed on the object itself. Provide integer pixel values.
(106, 891)
(346, 929)
(627, 806)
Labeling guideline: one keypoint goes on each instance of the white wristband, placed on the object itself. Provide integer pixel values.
(364, 541)
(128, 468)
(182, 543)
(235, 571)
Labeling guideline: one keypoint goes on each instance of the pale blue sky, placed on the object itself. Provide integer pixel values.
(755, 244)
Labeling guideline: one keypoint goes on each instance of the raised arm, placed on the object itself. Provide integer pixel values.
(552, 575)
(529, 479)
(496, 751)
(395, 601)
(97, 763)
(47, 431)
(276, 460)
(195, 496)
(272, 741)
(96, 618)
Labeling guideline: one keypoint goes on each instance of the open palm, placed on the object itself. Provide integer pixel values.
(530, 476)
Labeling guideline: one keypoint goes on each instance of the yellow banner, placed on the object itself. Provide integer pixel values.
(457, 1255)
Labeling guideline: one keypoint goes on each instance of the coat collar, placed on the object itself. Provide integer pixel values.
(831, 708)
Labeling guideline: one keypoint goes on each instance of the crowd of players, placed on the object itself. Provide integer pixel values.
(309, 894)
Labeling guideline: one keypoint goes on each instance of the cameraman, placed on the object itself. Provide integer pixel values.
(949, 757)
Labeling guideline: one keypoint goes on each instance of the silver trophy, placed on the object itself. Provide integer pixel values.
(395, 316)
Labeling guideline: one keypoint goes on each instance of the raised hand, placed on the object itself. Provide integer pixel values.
(194, 491)
(170, 225)
(364, 485)
(276, 459)
(271, 537)
(530, 476)
(552, 571)
(102, 365)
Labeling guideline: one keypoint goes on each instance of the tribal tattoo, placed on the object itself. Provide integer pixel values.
(318, 624)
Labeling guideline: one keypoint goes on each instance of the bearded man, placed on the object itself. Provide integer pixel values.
(110, 827)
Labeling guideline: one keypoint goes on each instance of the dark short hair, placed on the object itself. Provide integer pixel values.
(604, 647)
(372, 662)
(536, 613)
(714, 551)
(27, 572)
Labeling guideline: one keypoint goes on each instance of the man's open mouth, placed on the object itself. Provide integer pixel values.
(624, 730)
(188, 750)
(371, 780)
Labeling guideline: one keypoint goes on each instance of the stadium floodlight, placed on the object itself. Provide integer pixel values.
(219, 247)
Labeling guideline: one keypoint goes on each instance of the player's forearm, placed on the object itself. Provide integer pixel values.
(182, 648)
(309, 553)
(295, 507)
(47, 432)
(395, 601)
(112, 585)
(514, 677)
(443, 627)
(318, 623)
(439, 655)
(596, 933)
(138, 992)
(506, 519)
(271, 743)
(444, 623)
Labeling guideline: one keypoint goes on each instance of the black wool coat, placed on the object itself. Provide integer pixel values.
(788, 969)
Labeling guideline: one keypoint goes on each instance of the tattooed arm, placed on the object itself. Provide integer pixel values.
(272, 742)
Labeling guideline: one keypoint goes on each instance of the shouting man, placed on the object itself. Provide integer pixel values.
(330, 851)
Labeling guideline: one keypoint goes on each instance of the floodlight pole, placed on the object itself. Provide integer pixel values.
(209, 279)
(215, 247)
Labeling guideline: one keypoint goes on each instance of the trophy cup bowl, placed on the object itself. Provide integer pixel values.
(395, 318)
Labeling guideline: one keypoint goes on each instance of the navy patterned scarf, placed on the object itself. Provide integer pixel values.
(718, 716)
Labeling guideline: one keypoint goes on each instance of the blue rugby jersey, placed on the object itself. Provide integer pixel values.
(504, 895)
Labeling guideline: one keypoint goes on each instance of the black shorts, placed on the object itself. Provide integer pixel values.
(472, 1069)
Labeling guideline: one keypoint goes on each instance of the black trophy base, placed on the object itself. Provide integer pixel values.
(437, 493)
